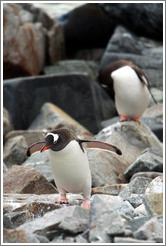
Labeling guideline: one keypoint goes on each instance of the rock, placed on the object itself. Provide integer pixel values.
(17, 236)
(7, 125)
(31, 136)
(154, 111)
(153, 199)
(24, 43)
(5, 169)
(141, 210)
(158, 95)
(74, 219)
(151, 230)
(155, 124)
(14, 219)
(89, 68)
(109, 189)
(130, 240)
(141, 51)
(66, 92)
(138, 14)
(135, 223)
(80, 239)
(132, 138)
(41, 164)
(150, 175)
(52, 117)
(104, 221)
(134, 192)
(25, 46)
(21, 179)
(15, 151)
(93, 54)
(150, 160)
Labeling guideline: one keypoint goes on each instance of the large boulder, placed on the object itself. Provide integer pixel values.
(25, 32)
(77, 95)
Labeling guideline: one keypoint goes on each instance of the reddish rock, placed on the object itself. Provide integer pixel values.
(21, 179)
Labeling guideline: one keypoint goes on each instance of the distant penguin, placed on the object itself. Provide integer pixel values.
(69, 162)
(130, 88)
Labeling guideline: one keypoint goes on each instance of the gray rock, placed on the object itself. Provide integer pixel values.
(150, 230)
(150, 175)
(88, 68)
(130, 240)
(155, 124)
(134, 192)
(150, 160)
(132, 138)
(79, 88)
(59, 219)
(15, 151)
(141, 51)
(153, 199)
(80, 239)
(5, 169)
(158, 95)
(104, 221)
(136, 223)
(14, 219)
(41, 164)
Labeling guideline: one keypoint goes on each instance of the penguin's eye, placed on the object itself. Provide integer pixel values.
(55, 142)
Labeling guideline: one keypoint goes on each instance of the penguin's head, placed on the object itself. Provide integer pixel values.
(57, 140)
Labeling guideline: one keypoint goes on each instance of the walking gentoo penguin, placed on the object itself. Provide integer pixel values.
(130, 86)
(69, 162)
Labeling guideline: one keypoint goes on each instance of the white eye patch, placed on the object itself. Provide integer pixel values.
(55, 137)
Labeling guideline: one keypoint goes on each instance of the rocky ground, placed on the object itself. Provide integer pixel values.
(127, 190)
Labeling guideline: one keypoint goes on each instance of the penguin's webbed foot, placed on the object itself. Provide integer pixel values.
(86, 204)
(62, 199)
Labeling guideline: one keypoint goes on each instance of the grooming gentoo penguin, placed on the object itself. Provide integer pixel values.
(69, 162)
(130, 86)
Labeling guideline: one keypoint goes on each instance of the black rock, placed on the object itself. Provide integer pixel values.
(77, 95)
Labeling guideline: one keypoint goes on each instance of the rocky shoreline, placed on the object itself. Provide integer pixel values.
(55, 88)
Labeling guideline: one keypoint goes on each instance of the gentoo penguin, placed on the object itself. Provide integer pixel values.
(130, 87)
(69, 162)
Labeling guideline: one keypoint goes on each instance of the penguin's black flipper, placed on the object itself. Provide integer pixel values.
(36, 147)
(101, 145)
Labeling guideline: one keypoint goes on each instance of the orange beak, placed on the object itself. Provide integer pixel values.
(45, 148)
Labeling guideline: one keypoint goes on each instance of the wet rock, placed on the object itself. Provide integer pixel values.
(150, 160)
(108, 168)
(154, 197)
(74, 219)
(150, 230)
(154, 111)
(31, 136)
(21, 179)
(14, 219)
(65, 91)
(15, 151)
(155, 124)
(7, 125)
(144, 52)
(104, 221)
(52, 117)
(89, 68)
(109, 189)
(41, 164)
(134, 192)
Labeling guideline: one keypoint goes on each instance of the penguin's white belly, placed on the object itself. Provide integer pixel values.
(70, 168)
(131, 95)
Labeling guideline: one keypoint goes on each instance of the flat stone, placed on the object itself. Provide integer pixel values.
(74, 219)
(153, 199)
(21, 179)
(150, 175)
(154, 111)
(14, 152)
(130, 240)
(109, 189)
